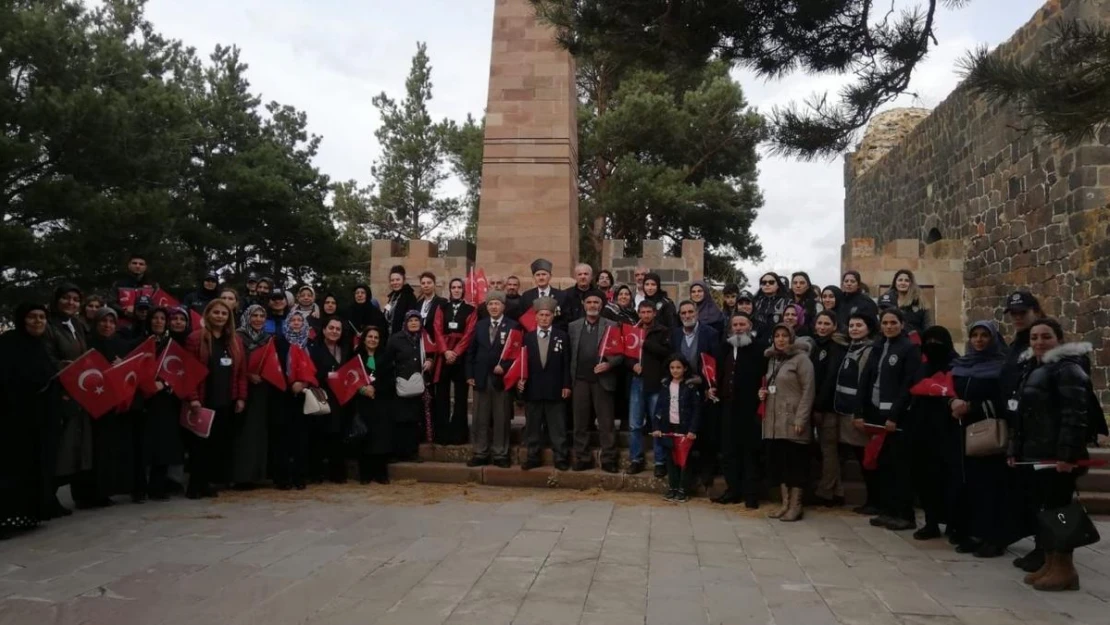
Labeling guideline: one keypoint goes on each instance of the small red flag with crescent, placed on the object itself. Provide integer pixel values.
(180, 370)
(633, 341)
(346, 381)
(84, 381)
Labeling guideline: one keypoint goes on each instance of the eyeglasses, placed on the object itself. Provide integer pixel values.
(767, 282)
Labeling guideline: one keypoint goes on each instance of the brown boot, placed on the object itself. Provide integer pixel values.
(1049, 562)
(795, 511)
(1061, 577)
(777, 514)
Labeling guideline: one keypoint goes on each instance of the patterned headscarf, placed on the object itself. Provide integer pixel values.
(300, 339)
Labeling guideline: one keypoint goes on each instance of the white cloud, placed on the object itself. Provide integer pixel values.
(329, 58)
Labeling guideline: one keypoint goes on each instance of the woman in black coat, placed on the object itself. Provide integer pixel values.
(804, 294)
(884, 386)
(1052, 425)
(828, 352)
(113, 433)
(326, 446)
(401, 300)
(250, 456)
(769, 303)
(405, 357)
(364, 314)
(372, 407)
(854, 298)
(29, 413)
(162, 445)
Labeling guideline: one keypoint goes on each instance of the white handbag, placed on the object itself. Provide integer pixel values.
(316, 402)
(413, 386)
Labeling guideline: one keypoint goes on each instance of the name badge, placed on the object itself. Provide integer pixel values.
(452, 325)
(225, 362)
(1012, 405)
(771, 389)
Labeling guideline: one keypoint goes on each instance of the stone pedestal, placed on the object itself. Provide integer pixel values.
(529, 198)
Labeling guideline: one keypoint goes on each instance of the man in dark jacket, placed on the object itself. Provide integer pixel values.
(135, 281)
(692, 339)
(743, 365)
(485, 373)
(198, 299)
(576, 297)
(541, 275)
(547, 387)
(594, 385)
(647, 380)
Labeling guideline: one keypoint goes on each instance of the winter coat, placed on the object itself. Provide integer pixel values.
(826, 356)
(741, 373)
(689, 410)
(896, 371)
(846, 392)
(666, 313)
(238, 372)
(656, 349)
(791, 404)
(1053, 407)
(917, 316)
(858, 302)
(767, 311)
(400, 302)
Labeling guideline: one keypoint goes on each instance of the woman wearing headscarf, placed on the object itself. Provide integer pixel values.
(162, 441)
(402, 299)
(65, 342)
(854, 297)
(666, 314)
(990, 509)
(290, 428)
(372, 405)
(113, 433)
(457, 318)
(329, 353)
(769, 303)
(223, 390)
(251, 436)
(935, 445)
(709, 313)
(804, 294)
(405, 356)
(364, 314)
(788, 407)
(305, 303)
(619, 308)
(1052, 426)
(29, 414)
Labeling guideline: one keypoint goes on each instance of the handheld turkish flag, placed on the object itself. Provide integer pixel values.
(513, 344)
(481, 285)
(633, 341)
(197, 421)
(528, 320)
(471, 288)
(348, 379)
(762, 410)
(612, 343)
(680, 449)
(84, 381)
(264, 363)
(517, 371)
(940, 384)
(161, 299)
(127, 297)
(123, 379)
(180, 369)
(148, 349)
(301, 368)
(709, 369)
(195, 320)
(872, 450)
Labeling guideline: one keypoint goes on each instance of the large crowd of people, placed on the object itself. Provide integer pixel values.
(775, 390)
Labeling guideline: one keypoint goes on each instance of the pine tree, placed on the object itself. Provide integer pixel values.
(464, 146)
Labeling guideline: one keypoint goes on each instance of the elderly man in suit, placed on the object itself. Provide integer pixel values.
(547, 387)
(594, 382)
(485, 373)
(692, 339)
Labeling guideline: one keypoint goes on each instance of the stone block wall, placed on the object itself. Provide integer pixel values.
(1029, 211)
(417, 257)
(938, 268)
(677, 272)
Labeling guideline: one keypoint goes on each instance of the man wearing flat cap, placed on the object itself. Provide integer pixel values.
(541, 275)
(547, 387)
(485, 373)
(595, 382)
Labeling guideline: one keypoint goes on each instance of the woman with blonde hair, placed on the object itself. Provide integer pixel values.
(223, 390)
(907, 295)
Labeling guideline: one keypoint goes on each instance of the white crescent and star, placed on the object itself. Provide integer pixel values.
(166, 366)
(85, 375)
(131, 379)
(352, 377)
(633, 340)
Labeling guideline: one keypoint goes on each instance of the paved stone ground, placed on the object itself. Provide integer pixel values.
(478, 555)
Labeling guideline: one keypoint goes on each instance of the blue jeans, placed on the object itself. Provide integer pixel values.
(638, 419)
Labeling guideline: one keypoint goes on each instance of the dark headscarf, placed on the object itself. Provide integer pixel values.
(405, 325)
(62, 289)
(985, 364)
(180, 337)
(708, 311)
(111, 347)
(938, 348)
(25, 363)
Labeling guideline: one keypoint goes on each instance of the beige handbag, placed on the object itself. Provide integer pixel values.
(316, 402)
(986, 438)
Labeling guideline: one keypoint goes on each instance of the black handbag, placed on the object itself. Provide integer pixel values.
(1067, 528)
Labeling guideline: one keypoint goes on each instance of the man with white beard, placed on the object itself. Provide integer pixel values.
(741, 373)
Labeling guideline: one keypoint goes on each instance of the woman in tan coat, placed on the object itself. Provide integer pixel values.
(788, 397)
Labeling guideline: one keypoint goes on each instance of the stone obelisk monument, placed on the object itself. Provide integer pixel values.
(529, 201)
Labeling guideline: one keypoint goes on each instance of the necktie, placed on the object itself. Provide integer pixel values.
(493, 332)
(543, 343)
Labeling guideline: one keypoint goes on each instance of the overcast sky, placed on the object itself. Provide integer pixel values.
(330, 57)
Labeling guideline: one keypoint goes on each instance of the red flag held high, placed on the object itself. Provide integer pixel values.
(84, 381)
(940, 384)
(518, 371)
(612, 343)
(198, 422)
(161, 299)
(301, 368)
(195, 320)
(709, 368)
(471, 288)
(264, 363)
(347, 380)
(123, 378)
(180, 369)
(127, 297)
(148, 349)
(481, 285)
(633, 341)
(528, 320)
(513, 344)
